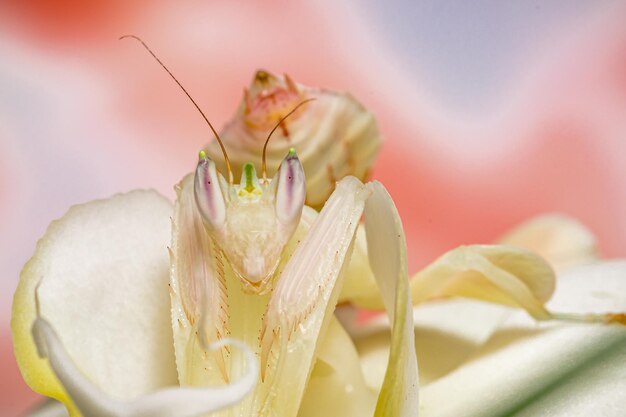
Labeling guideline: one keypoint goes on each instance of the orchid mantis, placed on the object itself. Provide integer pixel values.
(282, 311)
(249, 262)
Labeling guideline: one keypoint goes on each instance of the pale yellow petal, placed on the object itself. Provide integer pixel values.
(495, 273)
(337, 387)
(561, 240)
(387, 254)
(359, 287)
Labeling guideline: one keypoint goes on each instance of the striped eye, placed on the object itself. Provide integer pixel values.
(290, 189)
(208, 193)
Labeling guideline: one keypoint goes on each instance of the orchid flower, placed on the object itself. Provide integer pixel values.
(253, 279)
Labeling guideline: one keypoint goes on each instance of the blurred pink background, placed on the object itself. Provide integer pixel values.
(491, 112)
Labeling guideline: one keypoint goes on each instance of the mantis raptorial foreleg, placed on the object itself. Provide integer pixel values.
(312, 278)
(203, 294)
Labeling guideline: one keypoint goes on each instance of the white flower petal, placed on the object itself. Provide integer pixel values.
(102, 271)
(546, 369)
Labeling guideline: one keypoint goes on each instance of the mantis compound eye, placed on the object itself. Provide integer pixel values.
(290, 190)
(208, 193)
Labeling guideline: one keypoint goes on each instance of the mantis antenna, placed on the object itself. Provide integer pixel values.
(230, 172)
(264, 164)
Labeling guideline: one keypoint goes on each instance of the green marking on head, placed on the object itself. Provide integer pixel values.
(250, 175)
(202, 155)
(292, 152)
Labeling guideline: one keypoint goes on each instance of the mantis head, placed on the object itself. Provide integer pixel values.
(252, 221)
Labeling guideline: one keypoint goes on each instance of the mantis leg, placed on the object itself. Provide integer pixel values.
(304, 299)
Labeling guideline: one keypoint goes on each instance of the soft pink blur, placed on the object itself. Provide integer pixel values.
(85, 116)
